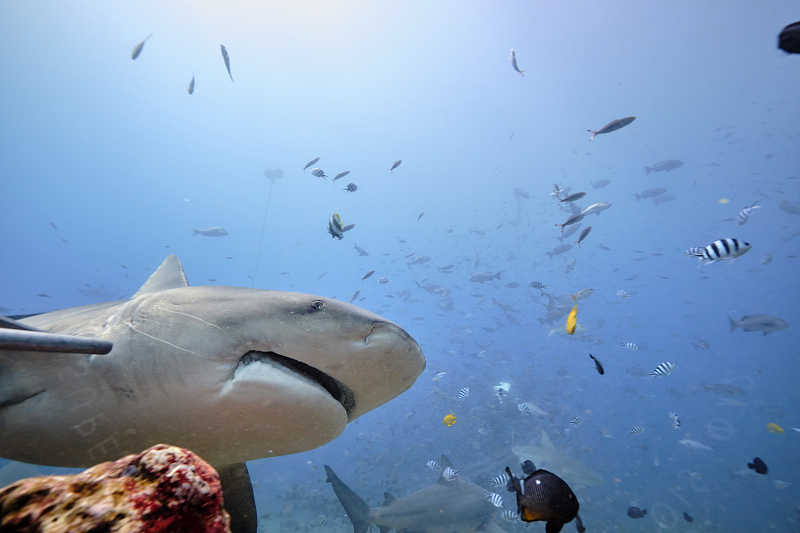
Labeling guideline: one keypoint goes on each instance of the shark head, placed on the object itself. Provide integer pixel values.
(233, 374)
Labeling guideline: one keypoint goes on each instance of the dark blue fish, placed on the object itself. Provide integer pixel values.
(226, 58)
(789, 38)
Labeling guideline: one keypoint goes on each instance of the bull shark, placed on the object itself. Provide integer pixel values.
(550, 457)
(446, 506)
(233, 374)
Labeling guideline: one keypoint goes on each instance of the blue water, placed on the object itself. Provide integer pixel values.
(125, 164)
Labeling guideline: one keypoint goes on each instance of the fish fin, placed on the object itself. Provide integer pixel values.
(553, 527)
(237, 491)
(356, 508)
(348, 227)
(388, 498)
(579, 524)
(169, 275)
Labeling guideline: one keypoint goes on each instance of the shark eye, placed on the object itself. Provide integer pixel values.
(317, 305)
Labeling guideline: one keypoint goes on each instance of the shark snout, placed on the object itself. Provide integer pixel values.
(386, 364)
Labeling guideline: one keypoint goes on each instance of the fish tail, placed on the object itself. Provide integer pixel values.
(356, 508)
(594, 133)
(647, 171)
(195, 233)
(732, 322)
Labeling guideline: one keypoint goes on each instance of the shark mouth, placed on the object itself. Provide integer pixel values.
(338, 390)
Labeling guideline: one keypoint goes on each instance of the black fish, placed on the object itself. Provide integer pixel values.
(789, 38)
(758, 465)
(635, 512)
(368, 274)
(687, 517)
(598, 365)
(227, 59)
(546, 498)
(351, 187)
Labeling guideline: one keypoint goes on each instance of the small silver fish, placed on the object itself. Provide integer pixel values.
(396, 164)
(226, 58)
(138, 48)
(514, 62)
(312, 162)
(367, 275)
(583, 235)
(573, 197)
(190, 88)
(340, 174)
(744, 214)
(614, 125)
(355, 295)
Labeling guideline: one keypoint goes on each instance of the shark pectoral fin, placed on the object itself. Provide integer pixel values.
(356, 509)
(169, 275)
(237, 492)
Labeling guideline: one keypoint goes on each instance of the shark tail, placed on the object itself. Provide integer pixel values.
(357, 509)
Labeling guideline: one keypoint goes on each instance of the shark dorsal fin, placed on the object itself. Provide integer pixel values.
(444, 463)
(169, 275)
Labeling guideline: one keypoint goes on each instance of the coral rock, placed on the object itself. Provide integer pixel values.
(163, 489)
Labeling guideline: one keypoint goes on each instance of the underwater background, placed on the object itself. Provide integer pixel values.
(108, 165)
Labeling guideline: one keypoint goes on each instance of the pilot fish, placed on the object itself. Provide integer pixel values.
(614, 125)
(719, 250)
(514, 62)
(544, 497)
(227, 59)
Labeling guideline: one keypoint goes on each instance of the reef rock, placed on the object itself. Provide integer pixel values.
(163, 489)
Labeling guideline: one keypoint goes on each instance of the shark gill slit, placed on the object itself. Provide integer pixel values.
(338, 390)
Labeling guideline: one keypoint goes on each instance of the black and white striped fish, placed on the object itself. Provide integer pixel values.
(720, 249)
(510, 515)
(525, 409)
(744, 214)
(635, 430)
(434, 465)
(676, 422)
(494, 498)
(462, 394)
(449, 474)
(663, 369)
(499, 481)
(575, 420)
(632, 346)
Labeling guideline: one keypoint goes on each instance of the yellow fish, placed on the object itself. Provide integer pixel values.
(724, 201)
(772, 427)
(572, 320)
(449, 420)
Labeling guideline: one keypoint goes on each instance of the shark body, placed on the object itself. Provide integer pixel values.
(446, 506)
(233, 374)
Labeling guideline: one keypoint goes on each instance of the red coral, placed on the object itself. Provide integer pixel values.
(164, 489)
